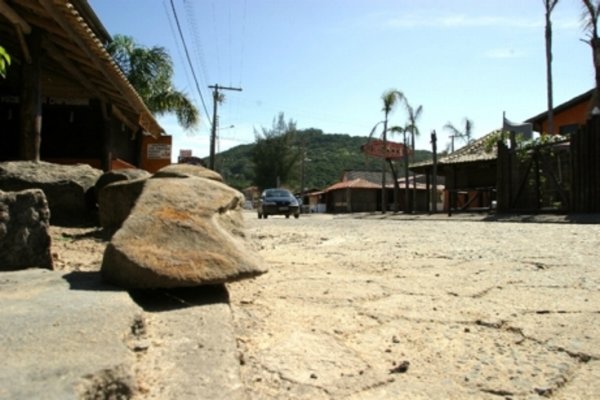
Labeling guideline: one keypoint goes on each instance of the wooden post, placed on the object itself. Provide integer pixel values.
(434, 184)
(107, 135)
(427, 190)
(538, 194)
(31, 101)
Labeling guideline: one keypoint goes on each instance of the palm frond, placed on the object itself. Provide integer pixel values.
(374, 129)
(448, 126)
(589, 17)
(396, 129)
(468, 129)
(176, 102)
(390, 98)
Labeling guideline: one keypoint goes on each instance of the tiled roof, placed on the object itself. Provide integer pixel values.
(475, 151)
(371, 176)
(353, 184)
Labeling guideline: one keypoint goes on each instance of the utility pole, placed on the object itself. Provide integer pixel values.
(213, 134)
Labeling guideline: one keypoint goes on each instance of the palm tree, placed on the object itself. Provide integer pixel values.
(413, 116)
(591, 12)
(549, 6)
(465, 134)
(392, 130)
(150, 72)
(390, 99)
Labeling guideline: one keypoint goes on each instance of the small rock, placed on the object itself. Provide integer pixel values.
(400, 368)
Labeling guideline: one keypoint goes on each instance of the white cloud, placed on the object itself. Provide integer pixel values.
(506, 53)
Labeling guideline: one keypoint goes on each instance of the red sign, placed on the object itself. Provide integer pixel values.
(185, 153)
(395, 151)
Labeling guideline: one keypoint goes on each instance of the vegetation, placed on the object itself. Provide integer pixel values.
(275, 154)
(150, 72)
(390, 99)
(465, 134)
(4, 61)
(413, 128)
(327, 157)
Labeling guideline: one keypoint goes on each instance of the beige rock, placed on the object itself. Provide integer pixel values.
(116, 200)
(187, 170)
(117, 175)
(181, 232)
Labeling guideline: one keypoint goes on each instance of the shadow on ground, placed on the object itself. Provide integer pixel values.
(153, 300)
(158, 300)
(88, 280)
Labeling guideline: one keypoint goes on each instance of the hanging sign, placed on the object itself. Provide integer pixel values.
(159, 151)
(395, 151)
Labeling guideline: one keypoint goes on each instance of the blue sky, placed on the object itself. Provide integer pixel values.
(326, 63)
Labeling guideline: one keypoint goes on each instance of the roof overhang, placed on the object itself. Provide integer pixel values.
(73, 42)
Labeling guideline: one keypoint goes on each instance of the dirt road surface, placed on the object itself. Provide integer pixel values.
(372, 307)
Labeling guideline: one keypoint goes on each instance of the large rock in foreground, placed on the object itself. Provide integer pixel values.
(24, 236)
(116, 200)
(182, 232)
(118, 175)
(186, 171)
(68, 188)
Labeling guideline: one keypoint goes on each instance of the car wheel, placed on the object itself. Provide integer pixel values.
(259, 215)
(287, 215)
(265, 216)
(296, 216)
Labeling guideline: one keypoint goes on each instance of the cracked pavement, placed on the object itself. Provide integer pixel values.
(372, 307)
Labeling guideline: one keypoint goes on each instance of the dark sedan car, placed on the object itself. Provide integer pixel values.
(278, 202)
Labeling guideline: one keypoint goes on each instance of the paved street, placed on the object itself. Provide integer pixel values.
(372, 307)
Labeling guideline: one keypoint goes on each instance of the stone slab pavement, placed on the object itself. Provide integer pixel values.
(69, 336)
(366, 306)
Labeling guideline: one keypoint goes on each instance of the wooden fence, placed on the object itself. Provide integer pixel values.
(585, 151)
(537, 179)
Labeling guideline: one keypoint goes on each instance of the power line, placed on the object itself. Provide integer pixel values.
(216, 38)
(178, 47)
(196, 40)
(187, 54)
(243, 42)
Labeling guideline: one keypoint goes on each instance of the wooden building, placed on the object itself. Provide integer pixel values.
(475, 178)
(356, 195)
(360, 191)
(64, 99)
(568, 116)
(470, 175)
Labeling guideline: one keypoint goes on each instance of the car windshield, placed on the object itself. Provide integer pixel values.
(277, 193)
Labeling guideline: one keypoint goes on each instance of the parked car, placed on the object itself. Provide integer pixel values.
(278, 202)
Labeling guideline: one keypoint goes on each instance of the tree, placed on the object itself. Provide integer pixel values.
(274, 155)
(150, 72)
(549, 7)
(413, 116)
(465, 135)
(591, 11)
(390, 99)
(398, 130)
(4, 61)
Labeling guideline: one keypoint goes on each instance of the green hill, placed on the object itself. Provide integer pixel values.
(328, 156)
